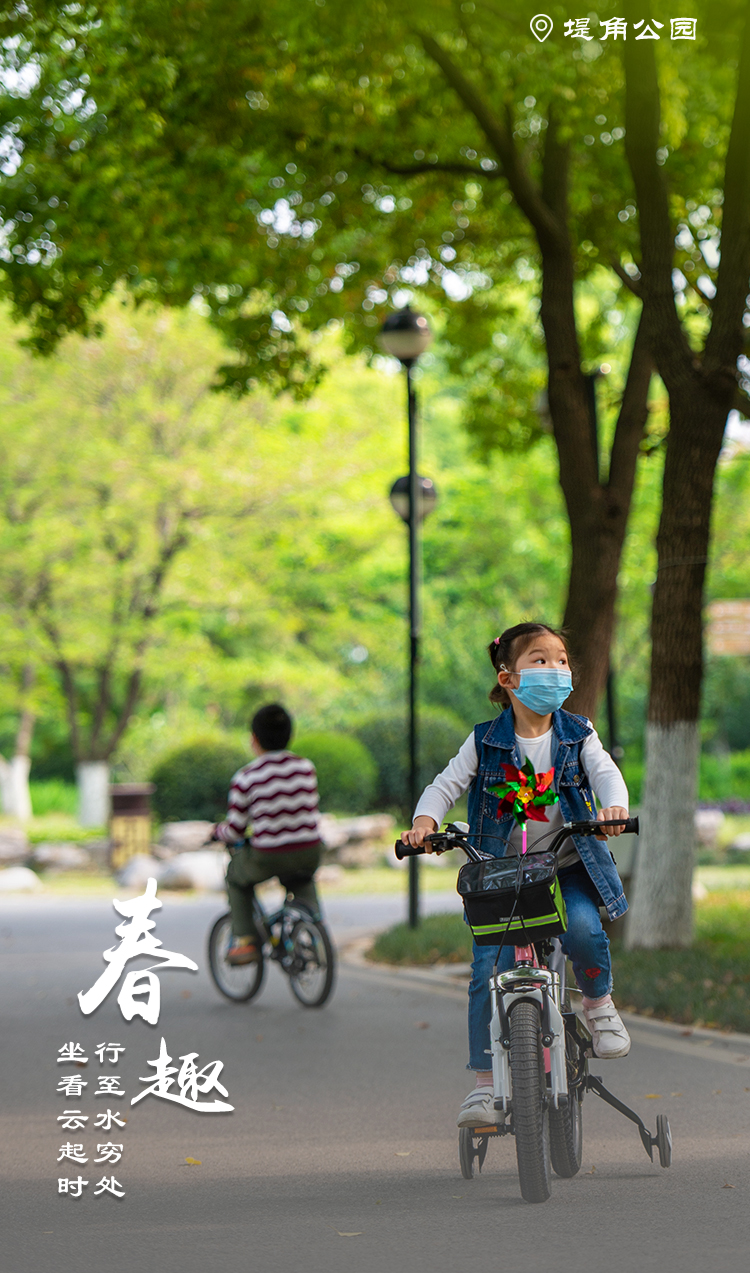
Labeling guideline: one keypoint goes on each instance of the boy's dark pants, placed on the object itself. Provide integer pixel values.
(248, 867)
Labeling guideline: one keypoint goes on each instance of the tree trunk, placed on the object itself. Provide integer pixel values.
(14, 787)
(92, 777)
(6, 787)
(14, 774)
(596, 549)
(702, 389)
(20, 767)
(662, 905)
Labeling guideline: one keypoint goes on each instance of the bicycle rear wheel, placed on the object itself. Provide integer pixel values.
(566, 1123)
(530, 1117)
(236, 982)
(311, 967)
(566, 1137)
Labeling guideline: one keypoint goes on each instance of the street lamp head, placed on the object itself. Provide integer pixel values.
(399, 497)
(405, 335)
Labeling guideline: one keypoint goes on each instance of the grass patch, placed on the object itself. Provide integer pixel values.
(442, 938)
(383, 880)
(709, 984)
(53, 796)
(61, 827)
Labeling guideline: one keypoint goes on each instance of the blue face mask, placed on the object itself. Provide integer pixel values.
(543, 689)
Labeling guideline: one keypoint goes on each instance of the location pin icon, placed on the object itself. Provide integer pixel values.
(541, 25)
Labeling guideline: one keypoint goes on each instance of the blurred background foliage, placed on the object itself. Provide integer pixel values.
(303, 597)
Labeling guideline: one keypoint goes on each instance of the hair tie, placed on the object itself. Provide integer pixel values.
(496, 641)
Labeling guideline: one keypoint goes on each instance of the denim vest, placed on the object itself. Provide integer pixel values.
(495, 742)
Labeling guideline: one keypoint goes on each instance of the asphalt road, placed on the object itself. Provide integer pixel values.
(341, 1153)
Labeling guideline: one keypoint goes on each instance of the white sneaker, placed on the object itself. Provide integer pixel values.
(478, 1110)
(608, 1034)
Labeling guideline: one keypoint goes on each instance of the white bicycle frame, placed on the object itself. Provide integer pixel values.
(536, 985)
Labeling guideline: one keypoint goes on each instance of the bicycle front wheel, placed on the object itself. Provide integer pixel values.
(239, 982)
(530, 1117)
(311, 967)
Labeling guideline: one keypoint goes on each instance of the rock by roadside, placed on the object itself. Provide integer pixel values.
(182, 837)
(55, 857)
(14, 846)
(18, 879)
(203, 870)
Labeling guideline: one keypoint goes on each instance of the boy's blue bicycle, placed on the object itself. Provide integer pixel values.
(292, 937)
(539, 1046)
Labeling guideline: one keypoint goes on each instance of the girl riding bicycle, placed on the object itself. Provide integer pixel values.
(533, 681)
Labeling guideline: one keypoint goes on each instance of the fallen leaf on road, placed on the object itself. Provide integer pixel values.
(193, 1162)
(259, 1038)
(686, 1033)
(675, 1093)
(360, 1234)
(716, 1092)
(590, 1173)
(402, 1153)
(729, 1186)
(423, 1025)
(653, 1096)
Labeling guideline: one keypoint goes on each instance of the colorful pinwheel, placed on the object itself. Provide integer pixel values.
(525, 794)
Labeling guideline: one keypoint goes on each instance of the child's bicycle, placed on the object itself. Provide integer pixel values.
(294, 937)
(539, 1046)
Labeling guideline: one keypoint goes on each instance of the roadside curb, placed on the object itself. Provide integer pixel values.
(729, 1046)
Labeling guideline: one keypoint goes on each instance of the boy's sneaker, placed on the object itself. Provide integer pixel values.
(609, 1037)
(478, 1110)
(243, 953)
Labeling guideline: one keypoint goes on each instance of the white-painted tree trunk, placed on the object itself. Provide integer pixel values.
(20, 767)
(662, 907)
(92, 777)
(14, 787)
(6, 787)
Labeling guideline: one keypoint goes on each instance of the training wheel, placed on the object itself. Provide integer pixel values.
(469, 1153)
(466, 1152)
(663, 1140)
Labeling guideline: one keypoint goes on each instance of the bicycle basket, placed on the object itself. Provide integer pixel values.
(513, 901)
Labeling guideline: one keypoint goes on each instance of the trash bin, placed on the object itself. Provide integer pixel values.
(130, 821)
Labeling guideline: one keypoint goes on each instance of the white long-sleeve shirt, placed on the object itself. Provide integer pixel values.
(458, 775)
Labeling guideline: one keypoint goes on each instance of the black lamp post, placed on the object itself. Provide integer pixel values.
(405, 335)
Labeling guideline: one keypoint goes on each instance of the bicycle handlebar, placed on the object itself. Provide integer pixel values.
(452, 838)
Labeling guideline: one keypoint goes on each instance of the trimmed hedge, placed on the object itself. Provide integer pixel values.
(387, 738)
(192, 782)
(346, 771)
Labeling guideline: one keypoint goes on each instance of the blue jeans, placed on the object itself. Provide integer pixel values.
(585, 943)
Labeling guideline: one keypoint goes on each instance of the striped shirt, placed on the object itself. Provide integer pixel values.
(278, 794)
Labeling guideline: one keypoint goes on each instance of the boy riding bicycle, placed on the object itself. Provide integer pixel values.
(278, 793)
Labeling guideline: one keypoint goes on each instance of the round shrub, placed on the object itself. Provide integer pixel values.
(192, 782)
(346, 770)
(387, 738)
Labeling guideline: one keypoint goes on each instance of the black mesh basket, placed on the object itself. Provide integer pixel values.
(513, 901)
